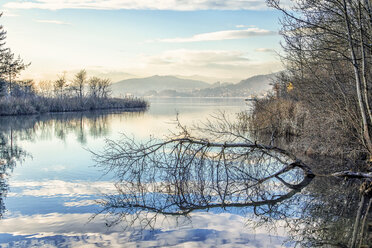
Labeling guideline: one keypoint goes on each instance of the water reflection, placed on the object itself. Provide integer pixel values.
(14, 130)
(335, 213)
(327, 212)
(51, 198)
(182, 175)
(40, 127)
(10, 155)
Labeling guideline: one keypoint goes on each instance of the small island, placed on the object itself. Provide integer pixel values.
(81, 94)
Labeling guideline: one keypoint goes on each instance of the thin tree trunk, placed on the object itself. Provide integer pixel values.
(364, 64)
(10, 84)
(364, 222)
(368, 8)
(353, 241)
(358, 82)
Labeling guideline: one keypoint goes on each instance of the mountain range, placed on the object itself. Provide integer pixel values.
(151, 85)
(171, 86)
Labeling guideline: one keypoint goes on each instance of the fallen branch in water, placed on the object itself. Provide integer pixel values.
(350, 174)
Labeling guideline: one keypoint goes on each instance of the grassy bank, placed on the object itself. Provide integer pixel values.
(37, 104)
(304, 130)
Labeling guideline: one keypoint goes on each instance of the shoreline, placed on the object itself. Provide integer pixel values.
(38, 106)
(111, 110)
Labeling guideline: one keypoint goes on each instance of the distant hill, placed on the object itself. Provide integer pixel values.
(255, 85)
(154, 84)
(210, 79)
(170, 86)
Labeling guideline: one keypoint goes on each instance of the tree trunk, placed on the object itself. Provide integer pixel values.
(364, 64)
(358, 83)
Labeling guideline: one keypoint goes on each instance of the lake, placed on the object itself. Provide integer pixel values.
(52, 192)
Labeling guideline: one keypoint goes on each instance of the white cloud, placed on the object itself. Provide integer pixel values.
(265, 50)
(7, 13)
(197, 58)
(209, 63)
(180, 5)
(223, 35)
(245, 26)
(54, 22)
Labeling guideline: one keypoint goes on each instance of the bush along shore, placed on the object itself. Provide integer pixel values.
(79, 94)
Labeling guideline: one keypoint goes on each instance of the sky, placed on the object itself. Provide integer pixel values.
(210, 40)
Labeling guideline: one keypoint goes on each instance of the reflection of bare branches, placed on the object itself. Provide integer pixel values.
(18, 128)
(185, 174)
(221, 127)
(223, 169)
(327, 215)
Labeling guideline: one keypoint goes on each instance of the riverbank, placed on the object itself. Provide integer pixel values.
(39, 105)
(309, 133)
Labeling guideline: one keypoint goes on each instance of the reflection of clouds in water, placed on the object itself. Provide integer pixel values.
(59, 188)
(74, 230)
(53, 188)
(81, 203)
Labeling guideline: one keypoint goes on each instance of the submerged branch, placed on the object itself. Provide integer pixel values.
(183, 174)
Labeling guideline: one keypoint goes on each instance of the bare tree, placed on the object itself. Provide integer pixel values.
(24, 88)
(93, 86)
(104, 87)
(45, 88)
(99, 88)
(78, 83)
(328, 58)
(60, 85)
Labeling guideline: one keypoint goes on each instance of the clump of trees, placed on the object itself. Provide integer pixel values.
(80, 94)
(80, 86)
(328, 57)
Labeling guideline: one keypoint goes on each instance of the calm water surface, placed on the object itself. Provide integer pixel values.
(50, 187)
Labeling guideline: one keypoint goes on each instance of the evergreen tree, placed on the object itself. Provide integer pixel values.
(10, 66)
